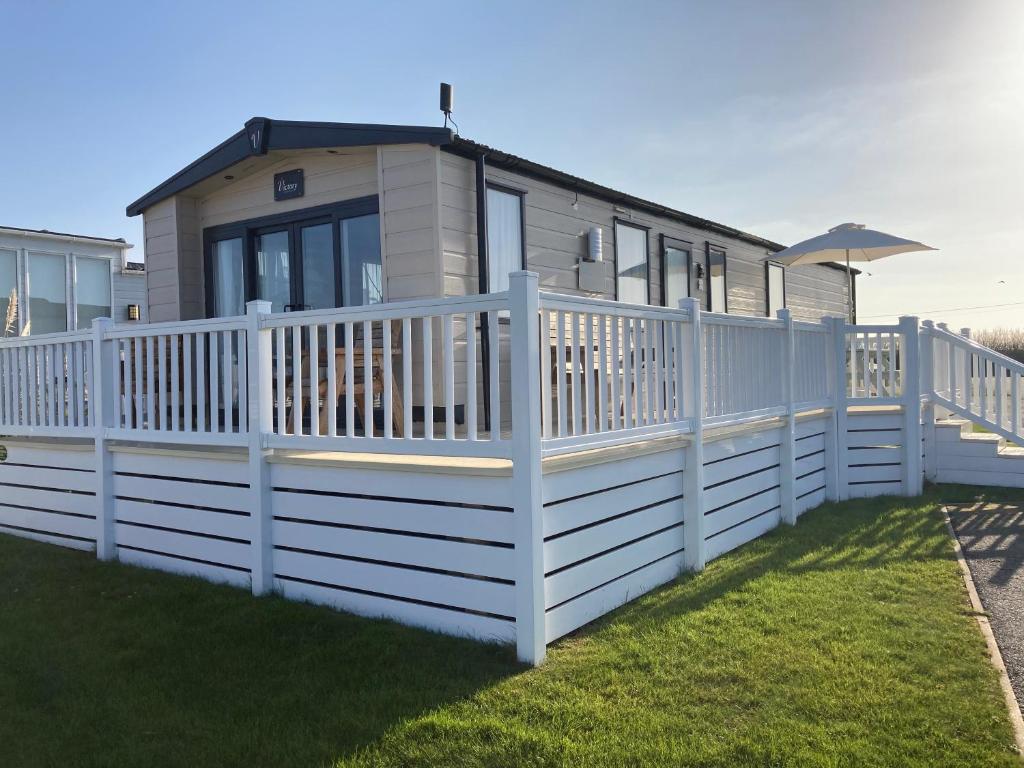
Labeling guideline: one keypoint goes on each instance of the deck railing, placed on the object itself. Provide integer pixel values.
(974, 381)
(45, 383)
(442, 376)
(610, 371)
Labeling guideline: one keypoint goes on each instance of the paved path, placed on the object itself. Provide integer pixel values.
(992, 538)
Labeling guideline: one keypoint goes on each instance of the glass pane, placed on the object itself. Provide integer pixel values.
(47, 292)
(360, 258)
(504, 238)
(631, 263)
(716, 280)
(776, 289)
(677, 276)
(228, 278)
(273, 270)
(8, 293)
(318, 279)
(92, 290)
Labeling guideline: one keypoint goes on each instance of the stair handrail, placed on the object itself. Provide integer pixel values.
(981, 349)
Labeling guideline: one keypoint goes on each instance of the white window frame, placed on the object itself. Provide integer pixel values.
(617, 222)
(521, 195)
(768, 266)
(70, 284)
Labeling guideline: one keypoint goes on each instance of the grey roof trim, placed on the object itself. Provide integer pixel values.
(507, 161)
(286, 134)
(117, 242)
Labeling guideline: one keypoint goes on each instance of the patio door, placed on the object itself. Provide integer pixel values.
(317, 258)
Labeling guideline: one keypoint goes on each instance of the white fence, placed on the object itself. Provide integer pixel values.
(537, 542)
(974, 381)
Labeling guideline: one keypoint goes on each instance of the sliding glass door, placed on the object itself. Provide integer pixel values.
(314, 259)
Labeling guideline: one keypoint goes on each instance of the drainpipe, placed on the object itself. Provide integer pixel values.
(481, 268)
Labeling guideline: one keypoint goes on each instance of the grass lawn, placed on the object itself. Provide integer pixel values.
(846, 641)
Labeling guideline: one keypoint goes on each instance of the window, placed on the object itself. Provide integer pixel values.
(9, 293)
(316, 258)
(717, 293)
(47, 293)
(92, 290)
(227, 278)
(631, 282)
(504, 237)
(675, 271)
(360, 257)
(775, 285)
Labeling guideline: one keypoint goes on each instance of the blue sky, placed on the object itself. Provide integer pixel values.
(779, 118)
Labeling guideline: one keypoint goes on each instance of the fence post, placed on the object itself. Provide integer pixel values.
(842, 490)
(695, 552)
(261, 414)
(911, 407)
(928, 388)
(787, 447)
(101, 411)
(527, 501)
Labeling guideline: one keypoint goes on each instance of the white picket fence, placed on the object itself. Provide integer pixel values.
(518, 541)
(439, 377)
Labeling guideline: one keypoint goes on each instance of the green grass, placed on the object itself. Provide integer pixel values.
(846, 641)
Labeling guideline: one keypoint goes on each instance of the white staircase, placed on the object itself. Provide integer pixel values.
(975, 458)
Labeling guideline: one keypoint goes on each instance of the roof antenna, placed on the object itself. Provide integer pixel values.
(446, 105)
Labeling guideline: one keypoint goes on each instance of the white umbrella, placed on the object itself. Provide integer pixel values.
(849, 242)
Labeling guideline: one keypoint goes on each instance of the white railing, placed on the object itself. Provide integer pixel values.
(874, 363)
(814, 373)
(609, 371)
(45, 384)
(743, 368)
(976, 382)
(180, 382)
(437, 376)
(413, 363)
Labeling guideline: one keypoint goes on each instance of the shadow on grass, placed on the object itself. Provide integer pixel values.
(111, 665)
(105, 664)
(866, 534)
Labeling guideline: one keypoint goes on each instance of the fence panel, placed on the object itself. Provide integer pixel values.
(609, 371)
(181, 382)
(874, 363)
(410, 377)
(45, 383)
(814, 376)
(743, 366)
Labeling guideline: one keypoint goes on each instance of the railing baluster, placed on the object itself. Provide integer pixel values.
(471, 430)
(407, 377)
(602, 375)
(428, 377)
(202, 382)
(389, 410)
(296, 380)
(998, 372)
(243, 382)
(332, 380)
(616, 371)
(368, 378)
(560, 373)
(588, 370)
(214, 365)
(1015, 402)
(494, 353)
(448, 324)
(314, 380)
(350, 380)
(175, 381)
(227, 380)
(187, 340)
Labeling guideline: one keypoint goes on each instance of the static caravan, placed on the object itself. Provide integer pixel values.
(51, 282)
(309, 216)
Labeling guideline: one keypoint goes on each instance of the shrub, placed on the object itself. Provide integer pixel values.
(1006, 341)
